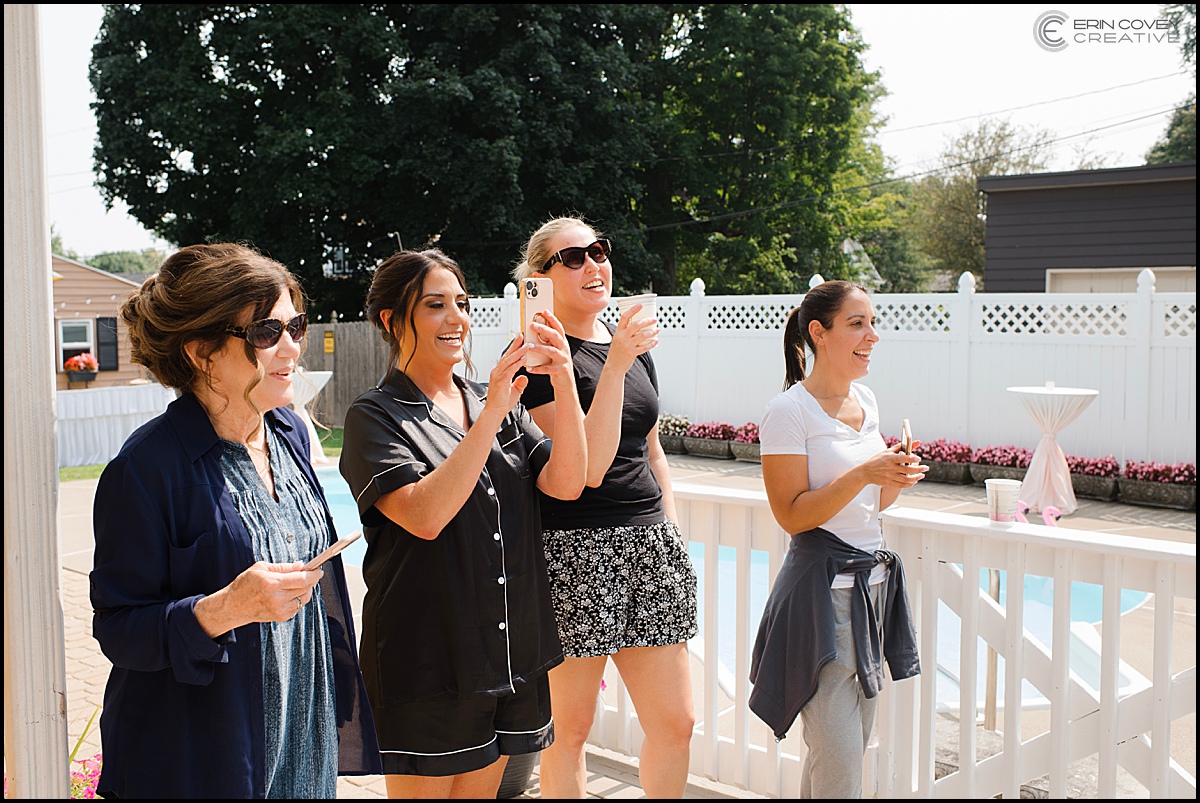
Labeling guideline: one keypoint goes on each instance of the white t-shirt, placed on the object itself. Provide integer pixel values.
(795, 423)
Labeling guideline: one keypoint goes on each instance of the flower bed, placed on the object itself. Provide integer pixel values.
(710, 439)
(1006, 462)
(948, 461)
(1094, 477)
(1159, 484)
(670, 432)
(745, 444)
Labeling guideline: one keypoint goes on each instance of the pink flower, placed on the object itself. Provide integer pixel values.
(82, 362)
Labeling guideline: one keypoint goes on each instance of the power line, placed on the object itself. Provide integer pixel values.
(812, 198)
(1030, 105)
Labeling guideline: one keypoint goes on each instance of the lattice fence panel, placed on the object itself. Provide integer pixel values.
(1101, 319)
(487, 314)
(1179, 320)
(670, 316)
(912, 317)
(754, 316)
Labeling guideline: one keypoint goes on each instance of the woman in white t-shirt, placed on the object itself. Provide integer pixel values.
(825, 465)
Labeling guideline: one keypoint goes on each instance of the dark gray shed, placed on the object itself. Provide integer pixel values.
(1091, 229)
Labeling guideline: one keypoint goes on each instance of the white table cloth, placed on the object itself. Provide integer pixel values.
(93, 423)
(305, 387)
(1048, 480)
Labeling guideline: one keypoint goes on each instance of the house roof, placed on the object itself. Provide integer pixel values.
(105, 273)
(1144, 174)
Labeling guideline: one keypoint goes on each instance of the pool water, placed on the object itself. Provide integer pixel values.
(1086, 598)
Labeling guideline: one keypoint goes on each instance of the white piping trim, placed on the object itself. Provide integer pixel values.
(380, 474)
(535, 730)
(447, 753)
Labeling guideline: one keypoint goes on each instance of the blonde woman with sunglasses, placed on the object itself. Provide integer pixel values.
(621, 580)
(235, 671)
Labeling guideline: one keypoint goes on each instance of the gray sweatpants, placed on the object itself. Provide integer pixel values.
(838, 719)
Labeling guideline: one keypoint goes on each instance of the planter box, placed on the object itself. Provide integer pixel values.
(1175, 495)
(81, 376)
(945, 471)
(1090, 486)
(984, 471)
(704, 447)
(747, 452)
(671, 444)
(517, 774)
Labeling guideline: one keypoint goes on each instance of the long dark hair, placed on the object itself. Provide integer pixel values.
(822, 303)
(397, 287)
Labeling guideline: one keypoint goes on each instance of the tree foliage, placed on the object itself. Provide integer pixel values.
(951, 211)
(1178, 142)
(145, 261)
(713, 140)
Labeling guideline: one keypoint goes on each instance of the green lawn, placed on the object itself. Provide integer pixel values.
(331, 442)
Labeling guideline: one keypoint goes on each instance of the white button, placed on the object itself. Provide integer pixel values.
(500, 581)
(491, 491)
(502, 625)
(496, 537)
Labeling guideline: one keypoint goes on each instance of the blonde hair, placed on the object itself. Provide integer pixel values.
(537, 250)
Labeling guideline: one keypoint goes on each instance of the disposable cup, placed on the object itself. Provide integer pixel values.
(1002, 499)
(649, 302)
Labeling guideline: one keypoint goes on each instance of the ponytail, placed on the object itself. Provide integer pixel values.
(822, 304)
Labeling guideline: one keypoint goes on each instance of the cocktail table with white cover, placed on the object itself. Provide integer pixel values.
(305, 387)
(1048, 480)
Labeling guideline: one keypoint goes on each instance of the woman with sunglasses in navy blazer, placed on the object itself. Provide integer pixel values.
(235, 671)
(620, 576)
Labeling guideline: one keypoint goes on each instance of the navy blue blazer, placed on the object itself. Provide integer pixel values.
(183, 713)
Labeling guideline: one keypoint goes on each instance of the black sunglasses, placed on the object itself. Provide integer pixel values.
(573, 257)
(266, 333)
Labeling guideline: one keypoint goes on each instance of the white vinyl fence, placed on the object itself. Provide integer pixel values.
(1098, 705)
(944, 361)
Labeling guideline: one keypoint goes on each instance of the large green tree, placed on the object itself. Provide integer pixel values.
(762, 108)
(712, 137)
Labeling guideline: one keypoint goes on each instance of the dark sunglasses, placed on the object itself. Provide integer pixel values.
(266, 333)
(573, 257)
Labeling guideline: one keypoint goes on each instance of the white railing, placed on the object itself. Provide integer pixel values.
(943, 361)
(1127, 725)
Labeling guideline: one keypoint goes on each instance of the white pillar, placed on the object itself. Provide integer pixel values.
(695, 323)
(1137, 444)
(35, 701)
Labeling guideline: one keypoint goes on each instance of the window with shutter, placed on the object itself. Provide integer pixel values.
(106, 343)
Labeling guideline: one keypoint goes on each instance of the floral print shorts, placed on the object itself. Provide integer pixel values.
(617, 587)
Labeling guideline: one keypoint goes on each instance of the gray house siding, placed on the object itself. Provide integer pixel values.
(1141, 217)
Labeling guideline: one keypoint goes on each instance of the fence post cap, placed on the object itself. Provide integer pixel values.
(697, 286)
(817, 279)
(510, 290)
(1146, 279)
(966, 282)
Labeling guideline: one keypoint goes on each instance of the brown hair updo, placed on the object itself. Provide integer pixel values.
(822, 303)
(198, 293)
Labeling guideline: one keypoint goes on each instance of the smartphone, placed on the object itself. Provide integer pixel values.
(906, 437)
(537, 296)
(334, 548)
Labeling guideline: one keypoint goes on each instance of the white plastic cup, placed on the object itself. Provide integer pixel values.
(649, 302)
(1002, 499)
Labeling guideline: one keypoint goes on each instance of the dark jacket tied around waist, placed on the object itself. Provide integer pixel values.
(796, 634)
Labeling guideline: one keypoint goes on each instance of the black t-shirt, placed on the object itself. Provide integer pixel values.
(629, 493)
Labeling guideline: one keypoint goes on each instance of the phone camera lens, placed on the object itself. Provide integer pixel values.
(531, 289)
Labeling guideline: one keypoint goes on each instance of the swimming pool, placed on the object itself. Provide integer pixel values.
(1086, 601)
